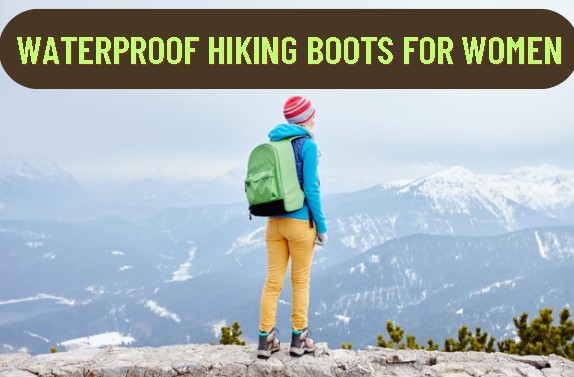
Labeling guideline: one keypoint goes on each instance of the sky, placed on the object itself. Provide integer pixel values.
(365, 137)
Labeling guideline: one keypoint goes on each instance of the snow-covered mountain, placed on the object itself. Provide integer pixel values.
(32, 190)
(543, 188)
(454, 201)
(37, 171)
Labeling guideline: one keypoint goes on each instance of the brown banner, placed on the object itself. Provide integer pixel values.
(359, 48)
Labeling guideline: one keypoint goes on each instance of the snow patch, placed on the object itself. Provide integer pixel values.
(360, 267)
(374, 259)
(160, 311)
(499, 284)
(411, 275)
(343, 318)
(117, 253)
(97, 290)
(41, 296)
(125, 268)
(49, 256)
(460, 311)
(37, 336)
(34, 245)
(99, 340)
(182, 273)
(247, 242)
(542, 249)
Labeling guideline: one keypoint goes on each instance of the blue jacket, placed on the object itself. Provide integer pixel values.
(311, 184)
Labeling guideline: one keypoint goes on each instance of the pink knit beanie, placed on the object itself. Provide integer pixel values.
(298, 110)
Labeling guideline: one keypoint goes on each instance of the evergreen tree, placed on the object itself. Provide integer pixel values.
(507, 346)
(347, 346)
(431, 345)
(565, 335)
(540, 337)
(230, 335)
(464, 339)
(412, 343)
(396, 338)
(382, 343)
(448, 345)
(481, 342)
(396, 334)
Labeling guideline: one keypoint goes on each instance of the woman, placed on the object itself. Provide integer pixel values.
(293, 235)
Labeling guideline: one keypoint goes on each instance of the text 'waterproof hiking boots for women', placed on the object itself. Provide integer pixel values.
(267, 344)
(301, 343)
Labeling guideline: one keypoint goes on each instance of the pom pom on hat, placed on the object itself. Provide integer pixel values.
(298, 110)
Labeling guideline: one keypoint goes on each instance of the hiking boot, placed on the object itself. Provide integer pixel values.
(301, 343)
(268, 344)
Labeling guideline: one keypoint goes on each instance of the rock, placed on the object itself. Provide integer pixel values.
(237, 361)
(539, 362)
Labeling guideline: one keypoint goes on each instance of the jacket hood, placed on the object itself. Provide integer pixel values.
(283, 131)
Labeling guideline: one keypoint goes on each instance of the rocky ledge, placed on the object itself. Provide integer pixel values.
(208, 360)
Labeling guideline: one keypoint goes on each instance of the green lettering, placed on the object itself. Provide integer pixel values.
(219, 50)
(256, 50)
(445, 46)
(178, 50)
(432, 50)
(513, 46)
(473, 51)
(368, 47)
(103, 46)
(188, 49)
(271, 51)
(388, 55)
(138, 46)
(407, 49)
(51, 53)
(121, 45)
(68, 41)
(30, 49)
(292, 51)
(328, 49)
(491, 50)
(549, 49)
(347, 48)
(314, 53)
(533, 50)
(83, 50)
(241, 50)
(160, 50)
(229, 41)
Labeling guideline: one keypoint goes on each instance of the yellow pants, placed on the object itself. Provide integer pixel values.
(286, 238)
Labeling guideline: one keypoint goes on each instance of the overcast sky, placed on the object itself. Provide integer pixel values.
(365, 136)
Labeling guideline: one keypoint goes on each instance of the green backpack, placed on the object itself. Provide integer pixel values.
(272, 186)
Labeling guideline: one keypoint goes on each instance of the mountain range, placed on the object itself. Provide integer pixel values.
(431, 254)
